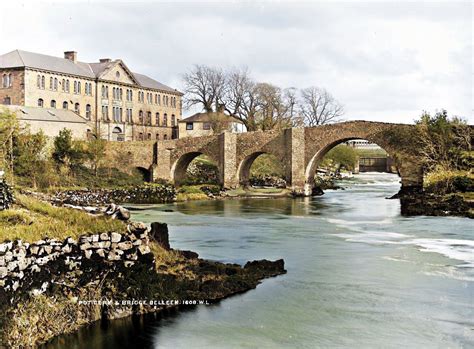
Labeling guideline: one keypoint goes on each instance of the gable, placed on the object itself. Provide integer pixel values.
(118, 72)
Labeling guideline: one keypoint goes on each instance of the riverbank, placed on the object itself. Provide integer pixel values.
(55, 286)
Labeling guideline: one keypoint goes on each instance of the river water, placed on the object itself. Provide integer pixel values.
(359, 275)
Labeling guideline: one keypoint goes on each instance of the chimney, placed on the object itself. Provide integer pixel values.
(71, 55)
(105, 60)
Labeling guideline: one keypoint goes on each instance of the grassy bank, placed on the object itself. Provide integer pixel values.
(30, 220)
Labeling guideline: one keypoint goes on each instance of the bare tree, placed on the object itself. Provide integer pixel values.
(204, 86)
(319, 107)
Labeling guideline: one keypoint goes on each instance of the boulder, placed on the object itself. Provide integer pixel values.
(159, 233)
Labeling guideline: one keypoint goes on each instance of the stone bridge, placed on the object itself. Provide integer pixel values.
(300, 151)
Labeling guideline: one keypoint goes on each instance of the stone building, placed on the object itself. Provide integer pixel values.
(119, 103)
(207, 124)
(50, 120)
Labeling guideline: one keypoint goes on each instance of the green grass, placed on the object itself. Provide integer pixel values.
(32, 220)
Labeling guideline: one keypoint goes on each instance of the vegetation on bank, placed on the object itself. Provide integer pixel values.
(30, 220)
(34, 161)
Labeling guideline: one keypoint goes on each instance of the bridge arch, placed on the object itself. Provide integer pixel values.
(316, 159)
(180, 166)
(243, 170)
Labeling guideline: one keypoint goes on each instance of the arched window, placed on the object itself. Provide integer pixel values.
(75, 86)
(165, 137)
(38, 81)
(10, 80)
(107, 91)
(65, 105)
(88, 111)
(77, 108)
(79, 87)
(67, 86)
(173, 120)
(120, 115)
(157, 136)
(121, 94)
(5, 80)
(55, 84)
(165, 120)
(51, 85)
(140, 117)
(156, 98)
(103, 91)
(113, 92)
(40, 102)
(159, 99)
(43, 82)
(140, 136)
(53, 103)
(148, 118)
(157, 119)
(149, 136)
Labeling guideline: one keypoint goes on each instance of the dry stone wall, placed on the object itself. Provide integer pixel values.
(33, 267)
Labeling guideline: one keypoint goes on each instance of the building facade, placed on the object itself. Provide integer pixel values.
(207, 124)
(116, 103)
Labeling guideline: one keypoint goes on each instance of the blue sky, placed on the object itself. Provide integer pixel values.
(383, 61)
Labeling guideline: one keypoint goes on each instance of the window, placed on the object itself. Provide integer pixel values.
(51, 86)
(38, 81)
(140, 136)
(173, 120)
(206, 126)
(40, 102)
(55, 84)
(148, 136)
(65, 105)
(159, 100)
(189, 126)
(77, 108)
(165, 120)
(88, 111)
(148, 118)
(5, 80)
(157, 136)
(75, 86)
(79, 87)
(129, 115)
(117, 75)
(140, 117)
(121, 94)
(53, 103)
(165, 137)
(107, 91)
(63, 85)
(157, 119)
(120, 115)
(67, 86)
(43, 82)
(103, 91)
(156, 98)
(7, 101)
(113, 93)
(105, 113)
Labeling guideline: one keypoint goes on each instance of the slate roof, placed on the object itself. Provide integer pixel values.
(19, 58)
(45, 114)
(206, 117)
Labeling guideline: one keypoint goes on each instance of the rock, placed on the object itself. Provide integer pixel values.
(3, 272)
(124, 246)
(104, 237)
(317, 191)
(101, 253)
(95, 238)
(137, 228)
(35, 269)
(189, 254)
(128, 264)
(85, 246)
(266, 268)
(144, 249)
(159, 233)
(121, 214)
(34, 249)
(115, 237)
(88, 254)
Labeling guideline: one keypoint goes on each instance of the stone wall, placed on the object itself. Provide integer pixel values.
(33, 267)
(16, 93)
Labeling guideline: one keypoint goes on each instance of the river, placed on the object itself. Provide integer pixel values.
(359, 275)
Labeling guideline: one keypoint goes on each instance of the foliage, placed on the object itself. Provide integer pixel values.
(443, 141)
(267, 164)
(445, 182)
(6, 195)
(32, 220)
(29, 156)
(201, 171)
(341, 156)
(67, 151)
